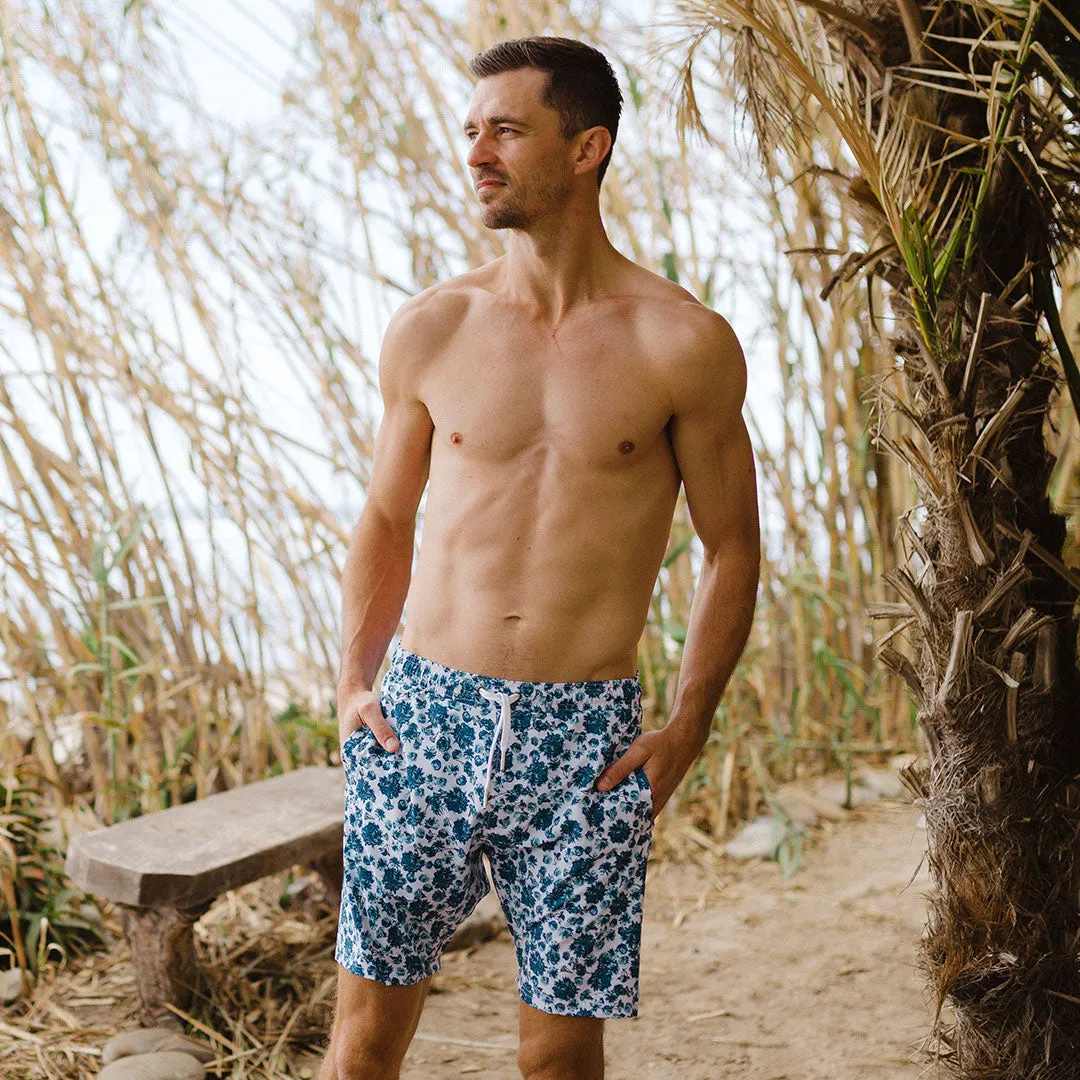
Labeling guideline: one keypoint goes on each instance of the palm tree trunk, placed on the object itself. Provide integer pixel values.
(962, 120)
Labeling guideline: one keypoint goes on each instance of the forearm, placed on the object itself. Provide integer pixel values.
(374, 584)
(721, 616)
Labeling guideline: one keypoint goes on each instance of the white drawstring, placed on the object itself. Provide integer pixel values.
(502, 732)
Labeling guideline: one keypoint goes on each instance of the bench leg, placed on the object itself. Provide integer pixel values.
(331, 869)
(163, 952)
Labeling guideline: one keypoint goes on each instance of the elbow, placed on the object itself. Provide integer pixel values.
(386, 528)
(735, 558)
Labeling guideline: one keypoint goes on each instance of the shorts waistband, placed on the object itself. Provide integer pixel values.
(454, 682)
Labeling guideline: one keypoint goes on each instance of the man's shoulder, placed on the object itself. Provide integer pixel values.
(441, 308)
(693, 348)
(423, 325)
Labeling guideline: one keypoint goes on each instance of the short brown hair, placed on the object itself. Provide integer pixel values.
(581, 87)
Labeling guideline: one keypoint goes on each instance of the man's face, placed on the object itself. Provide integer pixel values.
(517, 149)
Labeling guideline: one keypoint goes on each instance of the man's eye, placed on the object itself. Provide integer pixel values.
(511, 130)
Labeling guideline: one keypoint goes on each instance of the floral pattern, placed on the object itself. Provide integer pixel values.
(567, 861)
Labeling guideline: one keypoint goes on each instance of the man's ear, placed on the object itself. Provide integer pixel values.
(592, 147)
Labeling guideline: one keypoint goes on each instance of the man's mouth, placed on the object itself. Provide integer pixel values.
(481, 184)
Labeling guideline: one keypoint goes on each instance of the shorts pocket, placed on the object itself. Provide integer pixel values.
(351, 741)
(646, 788)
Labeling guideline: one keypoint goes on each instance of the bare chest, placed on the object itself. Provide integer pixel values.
(585, 397)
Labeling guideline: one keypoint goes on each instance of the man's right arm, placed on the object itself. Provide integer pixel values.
(378, 565)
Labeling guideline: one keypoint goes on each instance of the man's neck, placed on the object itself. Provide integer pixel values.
(559, 264)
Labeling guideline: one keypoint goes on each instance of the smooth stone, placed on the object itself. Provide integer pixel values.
(806, 808)
(13, 983)
(835, 791)
(166, 1065)
(757, 840)
(884, 782)
(154, 1040)
(801, 810)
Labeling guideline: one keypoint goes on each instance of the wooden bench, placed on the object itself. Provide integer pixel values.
(164, 870)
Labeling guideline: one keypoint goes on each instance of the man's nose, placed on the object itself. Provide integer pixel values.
(480, 153)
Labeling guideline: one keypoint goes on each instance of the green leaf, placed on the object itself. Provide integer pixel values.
(632, 85)
(122, 647)
(86, 665)
(671, 272)
(789, 853)
(97, 562)
(130, 539)
(915, 248)
(678, 549)
(138, 671)
(944, 262)
(707, 287)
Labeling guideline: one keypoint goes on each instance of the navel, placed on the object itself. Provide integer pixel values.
(455, 437)
(626, 446)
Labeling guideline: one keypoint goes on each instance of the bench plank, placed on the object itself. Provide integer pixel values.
(187, 855)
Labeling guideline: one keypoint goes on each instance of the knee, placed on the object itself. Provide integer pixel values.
(357, 1054)
(539, 1059)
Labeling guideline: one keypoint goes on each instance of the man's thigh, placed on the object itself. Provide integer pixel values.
(373, 1022)
(563, 1046)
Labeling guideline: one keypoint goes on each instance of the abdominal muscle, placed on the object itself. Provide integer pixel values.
(537, 567)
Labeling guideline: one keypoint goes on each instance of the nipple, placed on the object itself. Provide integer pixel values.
(625, 446)
(455, 437)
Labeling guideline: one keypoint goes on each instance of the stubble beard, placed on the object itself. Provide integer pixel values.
(509, 213)
(506, 215)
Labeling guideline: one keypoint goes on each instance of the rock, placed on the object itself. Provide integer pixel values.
(154, 1040)
(884, 782)
(13, 984)
(835, 791)
(806, 808)
(757, 840)
(166, 1065)
(486, 920)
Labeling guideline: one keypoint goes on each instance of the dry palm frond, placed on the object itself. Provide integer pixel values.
(959, 119)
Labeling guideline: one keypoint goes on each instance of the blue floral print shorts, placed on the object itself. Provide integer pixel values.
(508, 769)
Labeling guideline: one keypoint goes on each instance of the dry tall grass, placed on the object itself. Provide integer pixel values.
(187, 404)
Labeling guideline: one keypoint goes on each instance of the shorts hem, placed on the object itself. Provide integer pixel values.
(600, 1012)
(365, 972)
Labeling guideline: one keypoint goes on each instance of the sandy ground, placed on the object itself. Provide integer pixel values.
(744, 975)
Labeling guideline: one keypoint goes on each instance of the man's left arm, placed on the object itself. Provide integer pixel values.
(716, 460)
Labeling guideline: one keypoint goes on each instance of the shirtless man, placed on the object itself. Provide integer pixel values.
(555, 399)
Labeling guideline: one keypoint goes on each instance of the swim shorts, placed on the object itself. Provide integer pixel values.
(504, 768)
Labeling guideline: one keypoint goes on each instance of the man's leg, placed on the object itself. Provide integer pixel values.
(372, 1029)
(560, 1047)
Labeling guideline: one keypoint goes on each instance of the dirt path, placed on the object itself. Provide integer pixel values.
(744, 976)
(809, 978)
